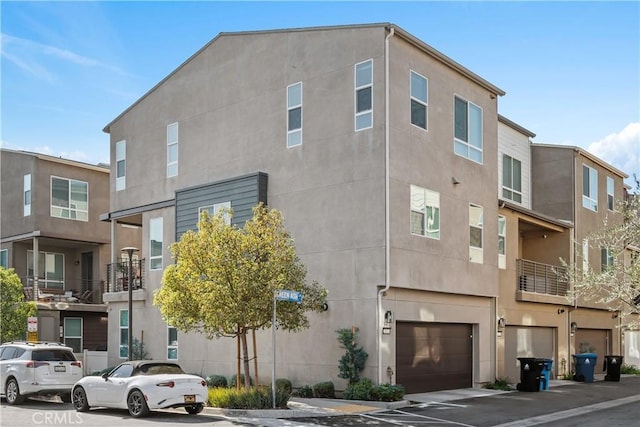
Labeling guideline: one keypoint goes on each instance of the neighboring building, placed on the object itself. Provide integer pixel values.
(51, 234)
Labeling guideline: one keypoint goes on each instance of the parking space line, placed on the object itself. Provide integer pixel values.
(436, 419)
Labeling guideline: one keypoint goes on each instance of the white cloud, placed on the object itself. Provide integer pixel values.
(621, 149)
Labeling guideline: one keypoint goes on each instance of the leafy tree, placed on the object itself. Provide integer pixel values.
(618, 285)
(352, 362)
(224, 278)
(15, 310)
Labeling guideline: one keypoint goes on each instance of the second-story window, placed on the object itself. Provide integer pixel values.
(606, 259)
(27, 195)
(215, 208)
(467, 130)
(4, 258)
(502, 242)
(364, 95)
(121, 165)
(425, 212)
(419, 100)
(155, 243)
(610, 194)
(69, 199)
(511, 179)
(294, 115)
(589, 188)
(172, 150)
(475, 234)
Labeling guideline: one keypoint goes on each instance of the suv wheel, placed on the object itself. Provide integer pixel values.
(12, 392)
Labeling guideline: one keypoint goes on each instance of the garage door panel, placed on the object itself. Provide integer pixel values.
(593, 341)
(526, 341)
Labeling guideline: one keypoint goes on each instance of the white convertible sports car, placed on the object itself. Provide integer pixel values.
(141, 386)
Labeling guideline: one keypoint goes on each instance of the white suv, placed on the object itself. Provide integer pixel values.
(37, 368)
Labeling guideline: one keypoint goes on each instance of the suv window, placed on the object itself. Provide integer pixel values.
(53, 355)
(7, 353)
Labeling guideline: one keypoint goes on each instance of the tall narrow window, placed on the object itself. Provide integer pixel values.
(155, 244)
(475, 234)
(69, 199)
(124, 334)
(425, 212)
(467, 130)
(50, 269)
(364, 94)
(511, 179)
(502, 242)
(121, 165)
(294, 115)
(610, 194)
(172, 343)
(589, 188)
(4, 259)
(172, 150)
(72, 329)
(214, 209)
(27, 195)
(606, 259)
(419, 100)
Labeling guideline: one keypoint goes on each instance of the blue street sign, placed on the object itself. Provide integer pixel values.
(287, 295)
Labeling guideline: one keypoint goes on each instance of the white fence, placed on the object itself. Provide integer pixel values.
(93, 361)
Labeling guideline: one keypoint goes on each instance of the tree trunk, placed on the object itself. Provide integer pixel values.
(245, 359)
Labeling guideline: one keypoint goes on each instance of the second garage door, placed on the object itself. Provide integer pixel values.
(434, 356)
(593, 341)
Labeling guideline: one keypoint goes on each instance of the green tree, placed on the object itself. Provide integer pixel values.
(224, 278)
(617, 285)
(15, 310)
(353, 361)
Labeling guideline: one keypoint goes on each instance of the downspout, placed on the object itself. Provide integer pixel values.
(387, 251)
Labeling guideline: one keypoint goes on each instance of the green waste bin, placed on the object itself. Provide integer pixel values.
(612, 365)
(530, 369)
(585, 365)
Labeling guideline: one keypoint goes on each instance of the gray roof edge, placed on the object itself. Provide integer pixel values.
(515, 207)
(514, 125)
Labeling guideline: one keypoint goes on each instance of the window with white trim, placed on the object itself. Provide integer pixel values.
(475, 234)
(172, 150)
(26, 188)
(511, 178)
(294, 115)
(69, 199)
(155, 243)
(425, 212)
(4, 258)
(364, 95)
(50, 269)
(610, 194)
(419, 100)
(124, 334)
(72, 330)
(467, 139)
(606, 259)
(121, 165)
(502, 242)
(589, 188)
(215, 208)
(172, 343)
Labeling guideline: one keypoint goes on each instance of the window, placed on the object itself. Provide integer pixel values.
(425, 212)
(511, 179)
(73, 333)
(419, 100)
(121, 165)
(475, 234)
(364, 94)
(606, 259)
(502, 242)
(50, 269)
(4, 260)
(214, 209)
(124, 334)
(27, 195)
(155, 243)
(69, 199)
(610, 194)
(294, 115)
(467, 130)
(172, 150)
(589, 188)
(585, 255)
(172, 343)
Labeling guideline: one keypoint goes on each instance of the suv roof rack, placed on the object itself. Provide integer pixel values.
(33, 343)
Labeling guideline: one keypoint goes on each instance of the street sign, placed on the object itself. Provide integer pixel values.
(287, 295)
(32, 329)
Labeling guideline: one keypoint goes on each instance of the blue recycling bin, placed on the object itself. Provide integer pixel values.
(585, 365)
(545, 374)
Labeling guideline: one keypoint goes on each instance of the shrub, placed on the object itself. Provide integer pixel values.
(360, 390)
(352, 362)
(234, 377)
(253, 398)
(629, 369)
(499, 384)
(387, 392)
(324, 389)
(216, 381)
(284, 385)
(304, 391)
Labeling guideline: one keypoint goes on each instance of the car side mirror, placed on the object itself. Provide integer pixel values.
(106, 376)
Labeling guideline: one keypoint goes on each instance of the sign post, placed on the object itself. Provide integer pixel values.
(32, 329)
(279, 295)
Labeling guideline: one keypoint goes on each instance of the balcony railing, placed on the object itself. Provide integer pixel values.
(542, 278)
(66, 290)
(118, 276)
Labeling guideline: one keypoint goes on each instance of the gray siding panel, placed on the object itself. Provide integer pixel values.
(243, 192)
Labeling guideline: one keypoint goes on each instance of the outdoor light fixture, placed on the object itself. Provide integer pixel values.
(560, 310)
(129, 251)
(574, 328)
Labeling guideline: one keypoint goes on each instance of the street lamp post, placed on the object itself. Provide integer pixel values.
(130, 250)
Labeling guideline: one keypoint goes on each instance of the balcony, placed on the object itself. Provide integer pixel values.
(69, 291)
(539, 282)
(118, 276)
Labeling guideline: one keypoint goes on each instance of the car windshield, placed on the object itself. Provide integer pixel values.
(53, 355)
(159, 368)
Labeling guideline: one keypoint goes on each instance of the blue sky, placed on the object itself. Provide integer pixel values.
(571, 70)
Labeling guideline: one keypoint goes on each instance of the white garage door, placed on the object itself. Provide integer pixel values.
(527, 341)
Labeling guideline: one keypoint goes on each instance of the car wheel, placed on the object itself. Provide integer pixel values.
(65, 397)
(137, 404)
(12, 392)
(80, 400)
(195, 409)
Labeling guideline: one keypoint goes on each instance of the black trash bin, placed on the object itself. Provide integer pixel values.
(612, 366)
(530, 371)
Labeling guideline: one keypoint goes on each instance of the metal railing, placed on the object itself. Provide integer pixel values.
(118, 276)
(542, 278)
(66, 290)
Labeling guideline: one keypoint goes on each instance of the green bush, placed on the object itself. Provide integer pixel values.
(629, 369)
(304, 391)
(284, 385)
(353, 361)
(234, 377)
(360, 390)
(499, 384)
(253, 398)
(387, 392)
(216, 381)
(324, 389)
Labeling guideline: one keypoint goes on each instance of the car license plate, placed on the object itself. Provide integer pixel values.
(60, 368)
(189, 398)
